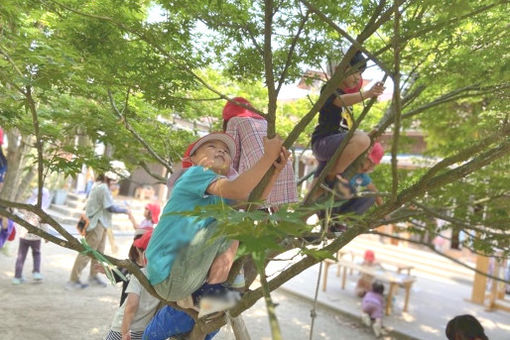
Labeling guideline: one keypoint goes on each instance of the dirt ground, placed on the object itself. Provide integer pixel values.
(40, 311)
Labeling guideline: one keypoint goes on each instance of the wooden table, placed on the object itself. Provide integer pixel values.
(394, 279)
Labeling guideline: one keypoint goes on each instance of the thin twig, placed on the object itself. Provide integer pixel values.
(135, 134)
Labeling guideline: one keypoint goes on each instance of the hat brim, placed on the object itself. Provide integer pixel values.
(221, 136)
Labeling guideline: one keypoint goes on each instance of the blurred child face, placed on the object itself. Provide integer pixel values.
(215, 155)
(351, 80)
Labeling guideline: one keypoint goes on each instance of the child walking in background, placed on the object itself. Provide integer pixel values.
(28, 240)
(372, 308)
(248, 130)
(137, 310)
(183, 257)
(335, 121)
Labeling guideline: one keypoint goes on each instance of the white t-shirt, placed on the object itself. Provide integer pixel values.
(146, 308)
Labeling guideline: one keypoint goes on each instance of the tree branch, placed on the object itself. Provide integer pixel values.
(346, 35)
(128, 127)
(396, 103)
(38, 143)
(283, 75)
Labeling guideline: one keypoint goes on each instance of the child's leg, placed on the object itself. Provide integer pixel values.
(191, 266)
(221, 265)
(365, 318)
(356, 146)
(36, 255)
(377, 327)
(356, 205)
(20, 260)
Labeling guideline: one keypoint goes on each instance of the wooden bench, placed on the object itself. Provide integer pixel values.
(342, 254)
(394, 279)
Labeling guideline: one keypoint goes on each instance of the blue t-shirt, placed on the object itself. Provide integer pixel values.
(358, 181)
(176, 231)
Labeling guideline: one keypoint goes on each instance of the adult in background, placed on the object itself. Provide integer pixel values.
(99, 210)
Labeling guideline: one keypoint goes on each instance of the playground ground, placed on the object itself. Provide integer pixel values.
(46, 311)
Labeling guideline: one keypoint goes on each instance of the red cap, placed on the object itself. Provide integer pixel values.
(143, 241)
(231, 110)
(221, 136)
(155, 209)
(377, 153)
(369, 256)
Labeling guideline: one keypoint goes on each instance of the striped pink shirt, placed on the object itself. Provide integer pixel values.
(248, 133)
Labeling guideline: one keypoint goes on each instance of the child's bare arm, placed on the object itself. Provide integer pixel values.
(132, 302)
(240, 188)
(279, 164)
(349, 99)
(133, 221)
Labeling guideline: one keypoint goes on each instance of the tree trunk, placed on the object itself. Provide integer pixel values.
(25, 183)
(16, 152)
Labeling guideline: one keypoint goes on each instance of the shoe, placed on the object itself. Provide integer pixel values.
(75, 285)
(18, 280)
(97, 281)
(337, 229)
(365, 318)
(37, 276)
(212, 304)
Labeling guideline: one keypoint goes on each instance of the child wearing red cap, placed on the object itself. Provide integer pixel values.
(151, 218)
(248, 130)
(134, 314)
(365, 281)
(184, 256)
(335, 121)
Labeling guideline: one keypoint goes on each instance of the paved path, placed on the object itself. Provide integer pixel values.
(47, 311)
(432, 303)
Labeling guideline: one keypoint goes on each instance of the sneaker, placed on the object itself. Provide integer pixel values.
(337, 229)
(212, 304)
(75, 285)
(37, 276)
(365, 318)
(18, 280)
(97, 281)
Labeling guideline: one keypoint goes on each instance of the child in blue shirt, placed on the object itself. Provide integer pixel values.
(361, 181)
(183, 257)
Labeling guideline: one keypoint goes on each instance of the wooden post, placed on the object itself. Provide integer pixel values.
(480, 282)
